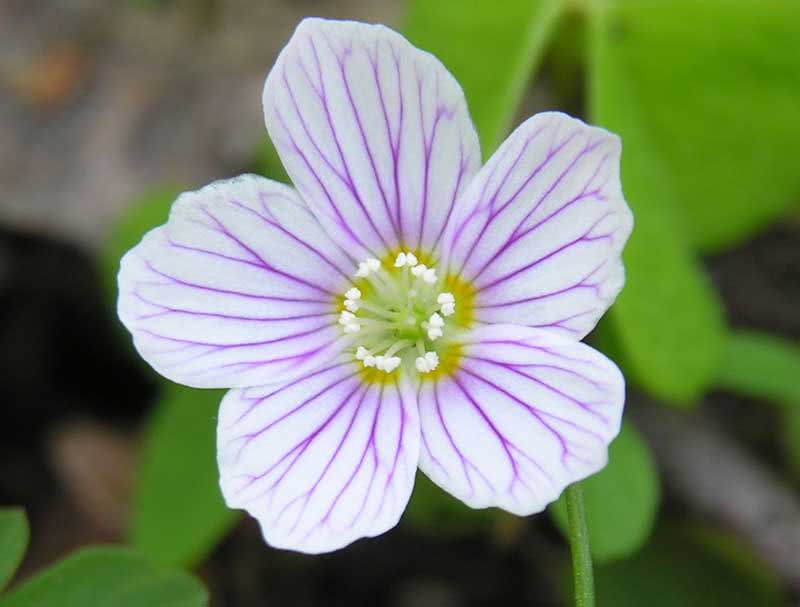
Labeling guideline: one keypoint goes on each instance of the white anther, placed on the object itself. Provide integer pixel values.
(361, 353)
(369, 361)
(390, 363)
(400, 261)
(433, 359)
(363, 270)
(427, 363)
(411, 260)
(434, 333)
(354, 294)
(353, 327)
(373, 264)
(419, 269)
(346, 318)
(351, 305)
(447, 303)
(429, 276)
(435, 321)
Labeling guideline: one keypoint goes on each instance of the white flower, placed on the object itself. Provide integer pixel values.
(397, 291)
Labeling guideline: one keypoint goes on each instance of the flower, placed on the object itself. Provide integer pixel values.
(401, 307)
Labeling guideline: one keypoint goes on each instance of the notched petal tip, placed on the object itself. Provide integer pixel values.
(527, 413)
(236, 289)
(539, 232)
(321, 461)
(363, 121)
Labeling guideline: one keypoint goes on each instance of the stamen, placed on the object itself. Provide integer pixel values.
(427, 363)
(399, 314)
(434, 326)
(447, 303)
(365, 267)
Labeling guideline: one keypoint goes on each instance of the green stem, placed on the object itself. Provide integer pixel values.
(579, 545)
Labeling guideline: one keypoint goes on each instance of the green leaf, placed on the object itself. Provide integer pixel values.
(791, 440)
(269, 164)
(491, 49)
(668, 318)
(13, 542)
(107, 577)
(178, 514)
(621, 500)
(761, 365)
(686, 569)
(144, 214)
(712, 88)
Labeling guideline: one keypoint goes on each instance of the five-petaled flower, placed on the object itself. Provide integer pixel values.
(400, 307)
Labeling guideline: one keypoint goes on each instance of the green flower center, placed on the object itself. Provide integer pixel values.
(400, 314)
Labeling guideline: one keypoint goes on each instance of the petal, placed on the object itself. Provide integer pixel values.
(237, 289)
(321, 461)
(541, 228)
(526, 413)
(374, 133)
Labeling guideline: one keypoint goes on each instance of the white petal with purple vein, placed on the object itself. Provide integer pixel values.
(526, 413)
(540, 230)
(321, 461)
(374, 133)
(237, 289)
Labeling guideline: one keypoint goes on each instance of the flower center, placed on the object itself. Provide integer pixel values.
(400, 313)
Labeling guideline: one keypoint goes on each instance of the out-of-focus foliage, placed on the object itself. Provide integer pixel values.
(763, 366)
(492, 49)
(621, 500)
(92, 577)
(102, 577)
(791, 440)
(13, 542)
(668, 318)
(178, 514)
(767, 367)
(687, 569)
(713, 89)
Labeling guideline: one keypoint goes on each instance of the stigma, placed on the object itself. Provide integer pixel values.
(398, 313)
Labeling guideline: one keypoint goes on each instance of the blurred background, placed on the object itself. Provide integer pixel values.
(109, 108)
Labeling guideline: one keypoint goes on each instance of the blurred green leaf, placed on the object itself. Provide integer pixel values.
(178, 514)
(791, 440)
(492, 49)
(767, 367)
(435, 511)
(13, 542)
(143, 214)
(685, 569)
(268, 163)
(668, 317)
(107, 577)
(761, 365)
(715, 86)
(621, 500)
